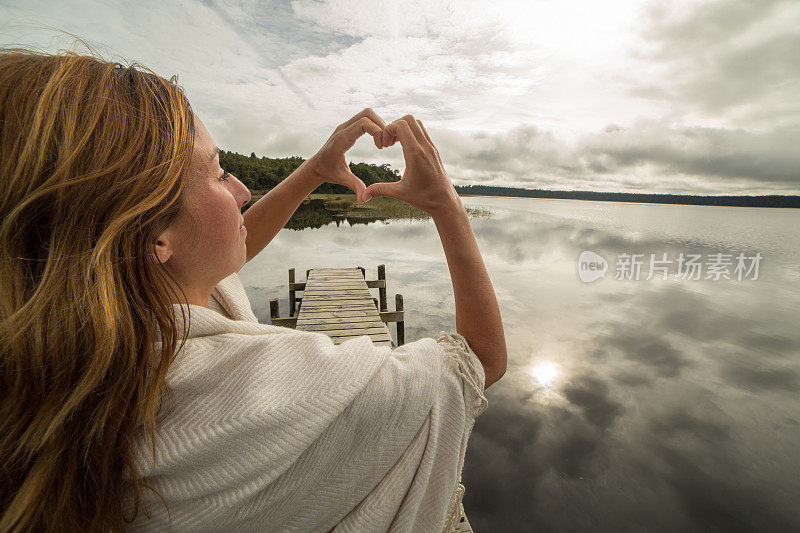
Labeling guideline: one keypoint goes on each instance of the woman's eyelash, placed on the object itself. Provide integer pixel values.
(225, 176)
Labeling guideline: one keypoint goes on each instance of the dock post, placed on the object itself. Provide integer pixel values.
(274, 309)
(382, 290)
(401, 333)
(291, 293)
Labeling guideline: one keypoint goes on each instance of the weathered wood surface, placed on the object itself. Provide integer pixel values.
(337, 302)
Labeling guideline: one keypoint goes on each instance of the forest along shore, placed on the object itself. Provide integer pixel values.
(318, 210)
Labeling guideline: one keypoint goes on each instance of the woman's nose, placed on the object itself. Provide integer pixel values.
(247, 196)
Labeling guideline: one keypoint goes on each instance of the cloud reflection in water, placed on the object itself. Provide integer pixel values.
(671, 406)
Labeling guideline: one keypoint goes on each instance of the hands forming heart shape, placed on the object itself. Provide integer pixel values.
(424, 183)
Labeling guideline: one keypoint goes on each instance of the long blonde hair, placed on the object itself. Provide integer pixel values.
(93, 160)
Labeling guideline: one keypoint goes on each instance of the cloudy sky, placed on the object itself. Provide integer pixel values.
(678, 96)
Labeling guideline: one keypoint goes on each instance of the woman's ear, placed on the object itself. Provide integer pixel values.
(163, 250)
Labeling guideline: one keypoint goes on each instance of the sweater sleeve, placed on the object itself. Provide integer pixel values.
(464, 363)
(467, 365)
(422, 490)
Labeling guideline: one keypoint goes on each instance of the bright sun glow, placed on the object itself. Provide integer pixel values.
(545, 373)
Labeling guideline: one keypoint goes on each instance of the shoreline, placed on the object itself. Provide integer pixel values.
(769, 201)
(777, 201)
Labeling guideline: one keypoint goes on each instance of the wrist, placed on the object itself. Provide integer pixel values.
(449, 206)
(309, 173)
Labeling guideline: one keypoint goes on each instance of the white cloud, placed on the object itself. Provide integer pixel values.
(629, 95)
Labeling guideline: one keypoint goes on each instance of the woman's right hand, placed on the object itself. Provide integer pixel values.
(424, 184)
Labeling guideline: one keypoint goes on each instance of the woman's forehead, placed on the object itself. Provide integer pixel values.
(202, 138)
(205, 149)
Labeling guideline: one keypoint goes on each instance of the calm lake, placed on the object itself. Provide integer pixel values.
(628, 405)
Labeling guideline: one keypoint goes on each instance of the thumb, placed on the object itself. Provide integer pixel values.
(381, 189)
(354, 183)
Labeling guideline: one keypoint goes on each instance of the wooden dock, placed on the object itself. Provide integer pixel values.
(337, 302)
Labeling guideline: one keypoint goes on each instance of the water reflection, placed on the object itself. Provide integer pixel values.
(671, 405)
(321, 210)
(545, 373)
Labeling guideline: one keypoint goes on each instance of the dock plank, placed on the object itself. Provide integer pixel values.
(338, 302)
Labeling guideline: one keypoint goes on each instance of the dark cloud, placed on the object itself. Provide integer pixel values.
(683, 422)
(592, 395)
(503, 496)
(702, 25)
(632, 379)
(718, 155)
(749, 373)
(682, 311)
(676, 310)
(513, 452)
(713, 152)
(520, 152)
(722, 54)
(573, 456)
(503, 446)
(766, 70)
(645, 347)
(775, 343)
(716, 503)
(691, 453)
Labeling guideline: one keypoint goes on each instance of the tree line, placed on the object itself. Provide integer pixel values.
(260, 174)
(740, 201)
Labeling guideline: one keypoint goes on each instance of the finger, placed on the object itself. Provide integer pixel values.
(387, 139)
(400, 130)
(347, 137)
(424, 132)
(354, 182)
(369, 113)
(412, 123)
(391, 189)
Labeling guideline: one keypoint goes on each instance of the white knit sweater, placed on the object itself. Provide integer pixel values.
(272, 429)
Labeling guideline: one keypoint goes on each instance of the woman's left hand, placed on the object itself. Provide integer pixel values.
(329, 163)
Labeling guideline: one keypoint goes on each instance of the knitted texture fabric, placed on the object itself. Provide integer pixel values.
(267, 428)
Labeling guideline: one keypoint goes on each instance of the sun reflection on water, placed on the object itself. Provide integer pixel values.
(546, 373)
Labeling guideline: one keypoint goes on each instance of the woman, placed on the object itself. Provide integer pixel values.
(121, 235)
